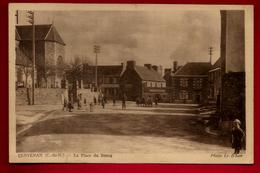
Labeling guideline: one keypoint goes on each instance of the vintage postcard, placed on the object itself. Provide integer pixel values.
(100, 83)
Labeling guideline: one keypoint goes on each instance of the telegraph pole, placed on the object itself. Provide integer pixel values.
(210, 54)
(31, 21)
(16, 15)
(96, 51)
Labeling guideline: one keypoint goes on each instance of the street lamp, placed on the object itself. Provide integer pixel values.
(96, 51)
(31, 21)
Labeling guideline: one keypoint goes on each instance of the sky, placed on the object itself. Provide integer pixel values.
(156, 37)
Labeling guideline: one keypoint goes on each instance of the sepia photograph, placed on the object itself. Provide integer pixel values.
(100, 83)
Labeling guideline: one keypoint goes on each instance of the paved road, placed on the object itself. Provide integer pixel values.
(164, 129)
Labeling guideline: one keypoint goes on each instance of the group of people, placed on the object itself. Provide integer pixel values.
(68, 104)
(101, 100)
(146, 102)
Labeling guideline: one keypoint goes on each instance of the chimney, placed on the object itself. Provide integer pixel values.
(130, 64)
(155, 68)
(149, 66)
(123, 66)
(175, 66)
(167, 71)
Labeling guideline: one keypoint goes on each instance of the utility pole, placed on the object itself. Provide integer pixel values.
(210, 54)
(16, 15)
(31, 21)
(96, 51)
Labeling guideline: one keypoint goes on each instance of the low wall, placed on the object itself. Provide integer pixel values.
(42, 96)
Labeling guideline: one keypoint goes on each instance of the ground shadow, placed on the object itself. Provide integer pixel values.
(185, 127)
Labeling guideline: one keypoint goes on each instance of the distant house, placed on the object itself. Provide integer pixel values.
(142, 82)
(49, 52)
(190, 83)
(215, 81)
(108, 77)
(168, 73)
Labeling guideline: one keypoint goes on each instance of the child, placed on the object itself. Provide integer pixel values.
(237, 136)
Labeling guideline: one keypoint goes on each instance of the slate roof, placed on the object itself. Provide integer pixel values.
(194, 68)
(110, 69)
(148, 75)
(217, 64)
(42, 32)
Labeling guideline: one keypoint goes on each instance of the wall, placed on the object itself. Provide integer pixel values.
(43, 96)
(233, 65)
(52, 51)
(233, 41)
(233, 99)
(192, 92)
(26, 47)
(131, 84)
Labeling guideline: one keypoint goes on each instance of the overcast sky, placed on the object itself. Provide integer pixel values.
(147, 37)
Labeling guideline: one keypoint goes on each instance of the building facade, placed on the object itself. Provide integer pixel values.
(142, 82)
(108, 77)
(215, 81)
(190, 83)
(49, 53)
(232, 65)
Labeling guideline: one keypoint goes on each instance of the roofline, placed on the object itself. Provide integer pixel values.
(190, 76)
(179, 69)
(53, 41)
(18, 34)
(163, 80)
(48, 32)
(218, 68)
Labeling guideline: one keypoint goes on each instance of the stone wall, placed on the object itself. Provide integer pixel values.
(53, 50)
(233, 99)
(43, 96)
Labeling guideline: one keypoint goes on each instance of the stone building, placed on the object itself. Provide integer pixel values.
(190, 83)
(108, 77)
(23, 69)
(215, 82)
(143, 82)
(49, 52)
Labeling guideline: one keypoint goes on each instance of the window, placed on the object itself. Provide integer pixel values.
(148, 84)
(197, 83)
(111, 80)
(153, 84)
(184, 82)
(115, 80)
(163, 84)
(184, 95)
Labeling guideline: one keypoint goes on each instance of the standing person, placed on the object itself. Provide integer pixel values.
(114, 100)
(78, 102)
(103, 103)
(143, 102)
(65, 104)
(70, 106)
(137, 101)
(95, 100)
(123, 102)
(156, 101)
(238, 136)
